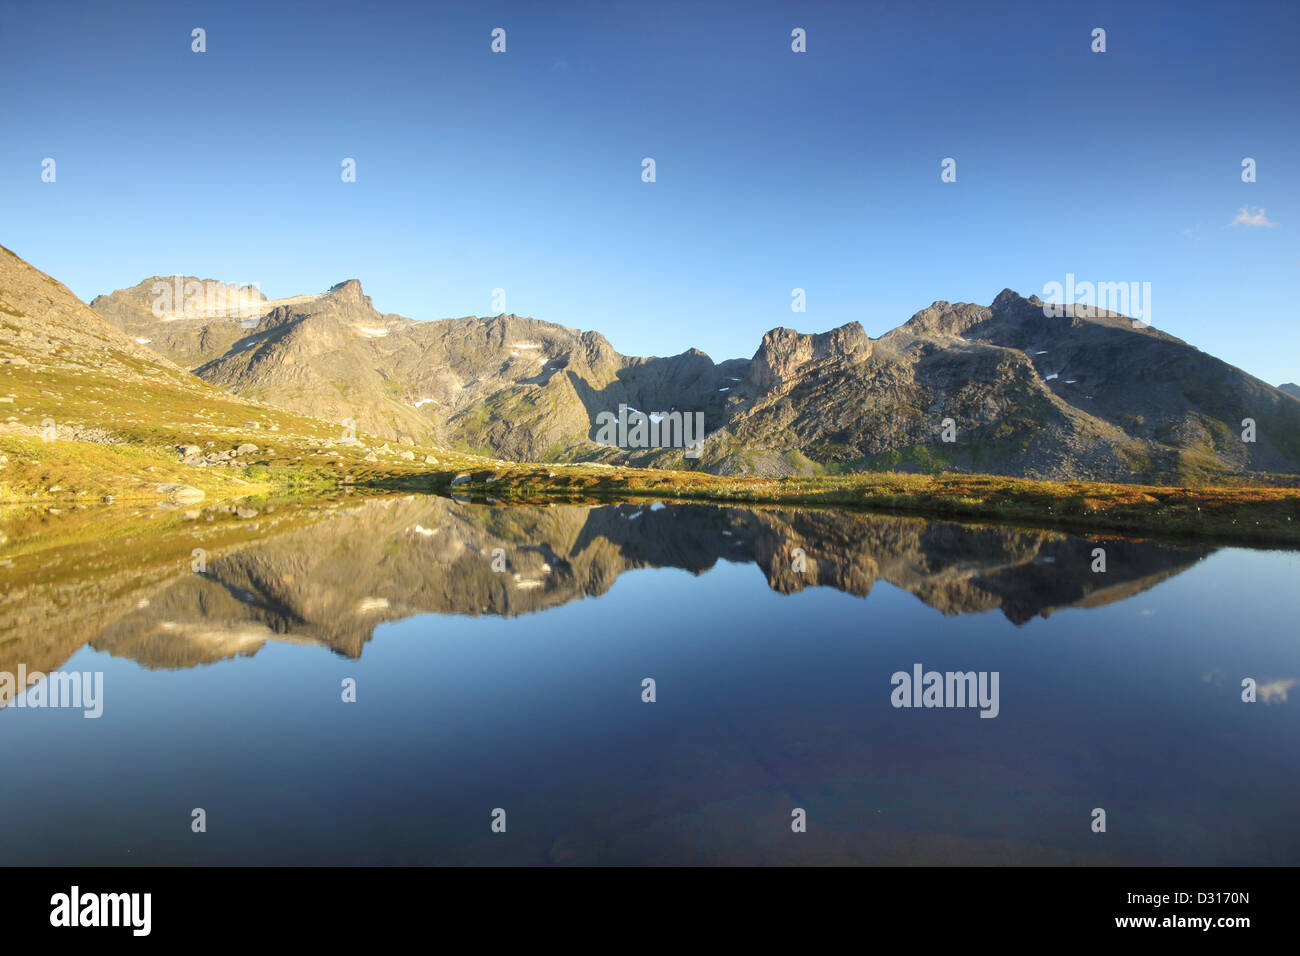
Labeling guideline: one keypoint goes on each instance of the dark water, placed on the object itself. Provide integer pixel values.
(522, 690)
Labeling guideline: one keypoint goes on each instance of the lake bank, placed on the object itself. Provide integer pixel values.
(57, 474)
(1231, 514)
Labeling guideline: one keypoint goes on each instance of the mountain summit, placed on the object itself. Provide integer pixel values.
(1085, 394)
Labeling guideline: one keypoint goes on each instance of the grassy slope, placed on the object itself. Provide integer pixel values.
(147, 417)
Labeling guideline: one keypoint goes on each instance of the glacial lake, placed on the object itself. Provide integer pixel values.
(513, 680)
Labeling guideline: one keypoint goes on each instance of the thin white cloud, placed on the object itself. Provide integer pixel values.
(1275, 691)
(1253, 218)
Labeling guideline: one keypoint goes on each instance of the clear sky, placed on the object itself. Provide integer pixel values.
(775, 169)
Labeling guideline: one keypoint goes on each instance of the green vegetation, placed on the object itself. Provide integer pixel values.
(925, 459)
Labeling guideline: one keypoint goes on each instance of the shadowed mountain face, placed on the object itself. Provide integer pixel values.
(331, 581)
(1082, 396)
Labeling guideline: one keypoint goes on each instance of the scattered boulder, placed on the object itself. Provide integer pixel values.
(247, 448)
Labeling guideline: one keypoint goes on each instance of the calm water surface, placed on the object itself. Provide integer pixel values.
(521, 689)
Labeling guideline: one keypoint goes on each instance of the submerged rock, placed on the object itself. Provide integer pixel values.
(179, 493)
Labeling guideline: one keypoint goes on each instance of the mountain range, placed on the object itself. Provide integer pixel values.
(1087, 395)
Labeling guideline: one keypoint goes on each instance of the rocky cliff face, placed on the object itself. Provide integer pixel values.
(1084, 395)
(785, 355)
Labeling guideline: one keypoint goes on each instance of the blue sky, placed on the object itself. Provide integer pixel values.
(775, 170)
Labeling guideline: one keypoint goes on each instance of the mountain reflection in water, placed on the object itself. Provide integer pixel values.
(521, 689)
(331, 583)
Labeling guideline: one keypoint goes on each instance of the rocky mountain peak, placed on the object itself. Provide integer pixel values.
(784, 352)
(349, 292)
(951, 318)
